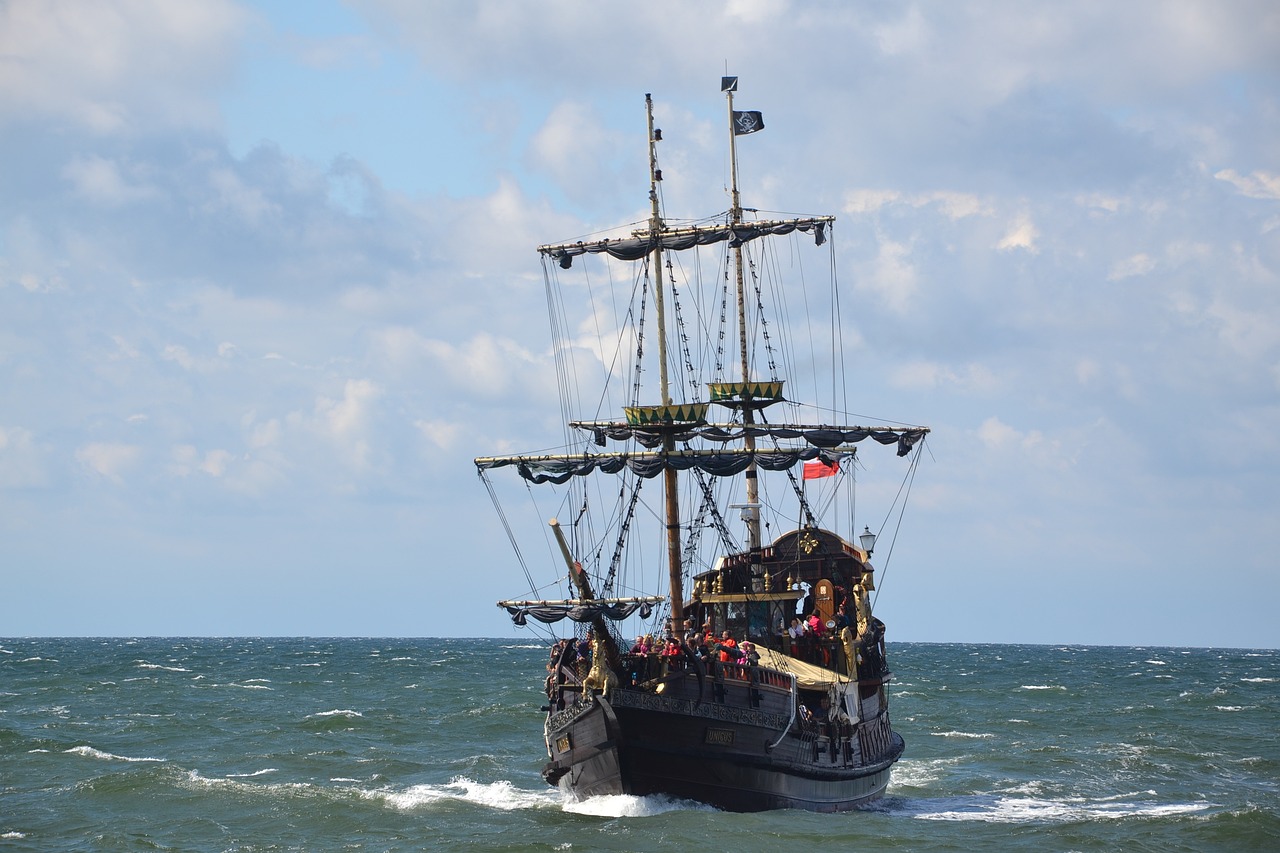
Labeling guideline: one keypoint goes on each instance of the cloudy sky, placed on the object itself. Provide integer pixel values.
(267, 284)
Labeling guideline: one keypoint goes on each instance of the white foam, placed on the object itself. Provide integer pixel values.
(499, 795)
(1260, 680)
(205, 782)
(1043, 687)
(962, 734)
(335, 713)
(90, 752)
(625, 805)
(13, 835)
(145, 665)
(253, 774)
(915, 773)
(1034, 810)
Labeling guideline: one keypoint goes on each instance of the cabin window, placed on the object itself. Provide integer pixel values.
(759, 620)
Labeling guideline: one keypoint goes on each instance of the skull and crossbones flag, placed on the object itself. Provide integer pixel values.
(747, 121)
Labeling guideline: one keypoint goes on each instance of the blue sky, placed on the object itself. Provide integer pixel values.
(267, 284)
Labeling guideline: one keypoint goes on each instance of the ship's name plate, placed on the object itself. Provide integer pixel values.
(720, 737)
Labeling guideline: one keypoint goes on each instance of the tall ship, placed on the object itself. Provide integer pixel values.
(711, 630)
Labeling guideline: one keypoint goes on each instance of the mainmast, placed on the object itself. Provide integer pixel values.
(670, 485)
(752, 509)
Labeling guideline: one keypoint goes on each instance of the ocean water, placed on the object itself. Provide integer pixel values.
(435, 744)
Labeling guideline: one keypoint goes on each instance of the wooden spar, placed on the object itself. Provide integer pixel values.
(668, 442)
(583, 583)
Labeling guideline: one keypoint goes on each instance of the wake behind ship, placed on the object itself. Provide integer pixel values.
(764, 685)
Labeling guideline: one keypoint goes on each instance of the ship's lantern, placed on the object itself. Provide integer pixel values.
(868, 540)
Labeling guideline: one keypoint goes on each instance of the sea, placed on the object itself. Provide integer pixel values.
(270, 744)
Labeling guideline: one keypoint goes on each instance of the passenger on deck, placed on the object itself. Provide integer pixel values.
(728, 647)
(750, 655)
(795, 637)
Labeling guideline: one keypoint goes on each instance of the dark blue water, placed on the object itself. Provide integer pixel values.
(301, 744)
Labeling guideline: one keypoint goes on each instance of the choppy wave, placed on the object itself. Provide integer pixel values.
(499, 795)
(624, 805)
(1032, 810)
(90, 752)
(145, 665)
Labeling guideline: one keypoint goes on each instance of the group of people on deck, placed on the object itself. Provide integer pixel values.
(704, 645)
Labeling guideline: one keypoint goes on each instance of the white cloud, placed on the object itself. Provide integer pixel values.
(483, 365)
(346, 422)
(187, 460)
(952, 205)
(965, 378)
(21, 462)
(1021, 234)
(1258, 184)
(443, 434)
(575, 148)
(109, 459)
(350, 415)
(115, 66)
(100, 180)
(263, 435)
(893, 277)
(249, 203)
(1139, 264)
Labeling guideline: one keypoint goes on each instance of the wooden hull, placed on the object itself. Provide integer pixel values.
(733, 754)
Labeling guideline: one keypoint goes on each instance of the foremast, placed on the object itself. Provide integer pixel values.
(670, 485)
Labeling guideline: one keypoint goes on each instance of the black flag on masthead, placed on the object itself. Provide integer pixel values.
(747, 121)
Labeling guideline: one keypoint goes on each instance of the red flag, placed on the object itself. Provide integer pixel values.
(820, 468)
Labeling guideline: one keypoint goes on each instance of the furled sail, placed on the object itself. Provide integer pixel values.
(817, 435)
(643, 243)
(548, 612)
(558, 468)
